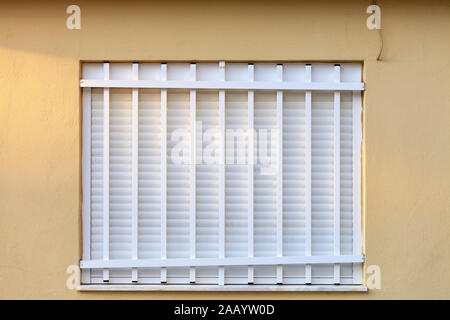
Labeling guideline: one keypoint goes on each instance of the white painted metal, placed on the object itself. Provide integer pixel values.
(357, 205)
(192, 178)
(86, 163)
(337, 175)
(134, 171)
(265, 176)
(308, 151)
(96, 168)
(224, 85)
(229, 261)
(222, 174)
(163, 173)
(251, 162)
(106, 172)
(161, 250)
(238, 288)
(280, 175)
(207, 180)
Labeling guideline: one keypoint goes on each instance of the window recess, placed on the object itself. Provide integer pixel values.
(222, 174)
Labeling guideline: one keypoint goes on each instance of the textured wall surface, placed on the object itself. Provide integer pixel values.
(406, 125)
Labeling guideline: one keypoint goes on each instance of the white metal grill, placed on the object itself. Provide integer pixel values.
(265, 189)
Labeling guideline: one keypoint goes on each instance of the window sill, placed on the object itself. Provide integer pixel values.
(269, 288)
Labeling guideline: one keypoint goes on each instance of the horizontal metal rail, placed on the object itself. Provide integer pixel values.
(226, 85)
(245, 261)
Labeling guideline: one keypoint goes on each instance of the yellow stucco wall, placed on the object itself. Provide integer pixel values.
(406, 104)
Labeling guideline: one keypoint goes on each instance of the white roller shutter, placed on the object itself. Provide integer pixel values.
(286, 213)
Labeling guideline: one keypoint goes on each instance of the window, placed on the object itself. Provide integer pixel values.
(222, 174)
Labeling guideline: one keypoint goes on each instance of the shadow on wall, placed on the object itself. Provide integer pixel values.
(198, 30)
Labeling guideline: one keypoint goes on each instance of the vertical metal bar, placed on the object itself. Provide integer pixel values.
(86, 166)
(134, 171)
(337, 174)
(357, 204)
(251, 161)
(222, 174)
(280, 175)
(308, 184)
(106, 172)
(163, 173)
(192, 213)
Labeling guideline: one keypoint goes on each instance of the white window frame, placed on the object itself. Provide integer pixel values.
(307, 86)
